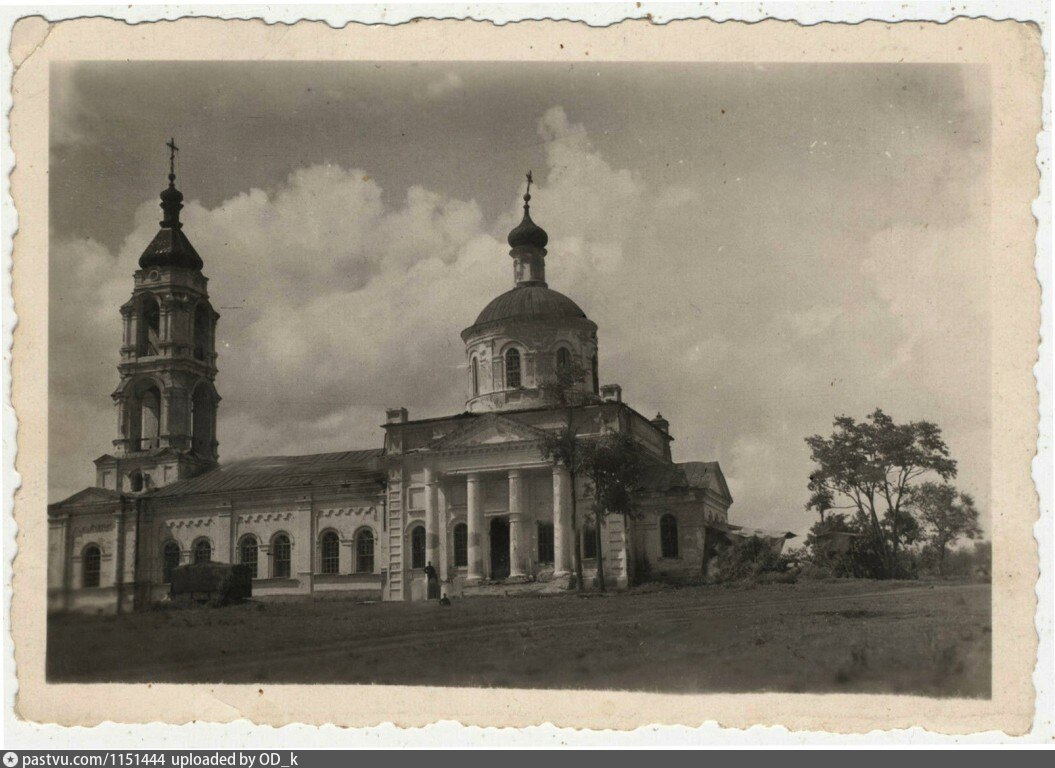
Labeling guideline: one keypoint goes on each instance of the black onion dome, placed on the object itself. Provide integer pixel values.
(529, 301)
(528, 232)
(170, 247)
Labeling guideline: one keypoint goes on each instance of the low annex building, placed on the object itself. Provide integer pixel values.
(469, 494)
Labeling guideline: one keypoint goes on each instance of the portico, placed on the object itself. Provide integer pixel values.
(505, 511)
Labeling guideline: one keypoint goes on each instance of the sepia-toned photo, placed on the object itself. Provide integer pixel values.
(657, 377)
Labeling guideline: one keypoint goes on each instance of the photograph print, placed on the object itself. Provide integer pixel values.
(639, 376)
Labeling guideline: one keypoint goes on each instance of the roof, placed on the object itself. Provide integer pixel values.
(529, 301)
(91, 495)
(170, 248)
(739, 530)
(688, 474)
(267, 472)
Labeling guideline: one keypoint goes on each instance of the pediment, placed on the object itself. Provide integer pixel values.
(489, 429)
(91, 495)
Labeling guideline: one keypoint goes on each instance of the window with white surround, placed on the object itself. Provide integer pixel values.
(91, 566)
(249, 554)
(330, 552)
(170, 557)
(364, 551)
(513, 369)
(281, 556)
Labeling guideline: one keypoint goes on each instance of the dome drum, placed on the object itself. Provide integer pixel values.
(524, 335)
(508, 362)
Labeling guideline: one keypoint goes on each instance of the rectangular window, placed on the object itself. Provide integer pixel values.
(545, 542)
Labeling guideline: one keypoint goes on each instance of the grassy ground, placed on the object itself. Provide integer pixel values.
(898, 637)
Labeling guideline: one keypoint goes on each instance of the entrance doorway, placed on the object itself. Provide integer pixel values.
(499, 548)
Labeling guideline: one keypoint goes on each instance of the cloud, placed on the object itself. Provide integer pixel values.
(749, 325)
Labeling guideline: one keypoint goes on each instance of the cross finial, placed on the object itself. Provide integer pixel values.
(527, 195)
(173, 149)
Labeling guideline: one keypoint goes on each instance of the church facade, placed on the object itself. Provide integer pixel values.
(470, 495)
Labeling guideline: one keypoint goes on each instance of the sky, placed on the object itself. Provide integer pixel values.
(763, 247)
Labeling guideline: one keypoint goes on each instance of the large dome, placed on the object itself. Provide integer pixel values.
(529, 301)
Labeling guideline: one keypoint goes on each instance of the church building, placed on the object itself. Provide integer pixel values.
(470, 495)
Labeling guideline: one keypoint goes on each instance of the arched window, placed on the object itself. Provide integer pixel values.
(249, 554)
(513, 369)
(330, 551)
(589, 542)
(201, 419)
(148, 328)
(170, 557)
(461, 545)
(474, 374)
(202, 551)
(149, 419)
(545, 542)
(281, 556)
(201, 331)
(135, 481)
(563, 359)
(92, 563)
(668, 536)
(596, 376)
(417, 546)
(364, 551)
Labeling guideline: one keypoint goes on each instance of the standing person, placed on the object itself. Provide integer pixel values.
(433, 582)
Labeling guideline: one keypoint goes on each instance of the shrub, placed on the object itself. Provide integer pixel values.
(746, 560)
(219, 583)
(815, 572)
(777, 577)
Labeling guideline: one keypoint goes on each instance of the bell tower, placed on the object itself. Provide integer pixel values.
(166, 399)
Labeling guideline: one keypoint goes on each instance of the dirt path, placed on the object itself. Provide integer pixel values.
(228, 668)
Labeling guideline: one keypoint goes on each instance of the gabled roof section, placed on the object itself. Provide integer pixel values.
(705, 475)
(87, 496)
(153, 453)
(355, 468)
(487, 429)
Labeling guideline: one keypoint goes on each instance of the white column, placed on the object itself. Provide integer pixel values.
(562, 542)
(432, 520)
(444, 566)
(516, 524)
(476, 527)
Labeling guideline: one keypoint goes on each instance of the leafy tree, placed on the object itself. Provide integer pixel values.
(833, 523)
(566, 389)
(870, 467)
(947, 516)
(614, 466)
